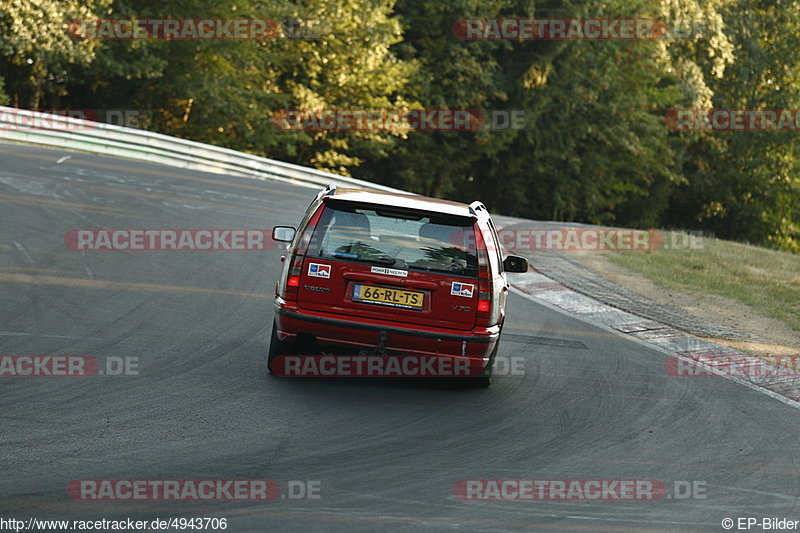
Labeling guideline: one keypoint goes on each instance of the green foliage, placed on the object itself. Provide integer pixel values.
(4, 98)
(36, 49)
(595, 146)
(745, 185)
(450, 74)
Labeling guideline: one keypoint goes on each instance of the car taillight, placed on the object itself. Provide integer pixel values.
(293, 279)
(296, 260)
(484, 283)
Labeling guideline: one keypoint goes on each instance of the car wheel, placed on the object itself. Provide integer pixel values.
(277, 347)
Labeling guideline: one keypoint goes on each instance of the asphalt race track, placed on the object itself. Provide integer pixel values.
(198, 403)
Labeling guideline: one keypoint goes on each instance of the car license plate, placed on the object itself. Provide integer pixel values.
(390, 297)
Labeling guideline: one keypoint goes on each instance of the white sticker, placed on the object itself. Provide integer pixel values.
(462, 289)
(319, 271)
(390, 271)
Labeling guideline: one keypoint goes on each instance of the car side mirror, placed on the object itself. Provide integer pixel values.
(515, 263)
(283, 233)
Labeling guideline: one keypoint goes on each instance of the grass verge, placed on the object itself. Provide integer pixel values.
(764, 279)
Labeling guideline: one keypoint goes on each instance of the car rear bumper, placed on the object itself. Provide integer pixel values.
(343, 331)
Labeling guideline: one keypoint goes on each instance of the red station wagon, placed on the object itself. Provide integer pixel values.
(381, 273)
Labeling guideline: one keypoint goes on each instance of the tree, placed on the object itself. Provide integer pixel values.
(226, 91)
(744, 185)
(451, 74)
(4, 99)
(36, 48)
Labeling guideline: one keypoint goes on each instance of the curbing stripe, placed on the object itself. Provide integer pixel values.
(544, 291)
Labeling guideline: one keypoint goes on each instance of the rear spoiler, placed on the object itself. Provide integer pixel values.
(476, 206)
(327, 191)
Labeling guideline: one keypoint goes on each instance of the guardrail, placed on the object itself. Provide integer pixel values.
(59, 131)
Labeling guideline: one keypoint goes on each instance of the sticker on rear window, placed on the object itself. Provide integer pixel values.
(319, 271)
(462, 289)
(390, 271)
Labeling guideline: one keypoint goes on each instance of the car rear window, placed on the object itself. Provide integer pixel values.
(396, 238)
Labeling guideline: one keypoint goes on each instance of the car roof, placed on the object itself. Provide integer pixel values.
(405, 201)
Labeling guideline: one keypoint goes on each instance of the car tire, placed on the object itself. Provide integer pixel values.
(277, 347)
(481, 382)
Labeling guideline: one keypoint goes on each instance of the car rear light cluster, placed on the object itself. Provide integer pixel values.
(297, 259)
(293, 281)
(484, 317)
(294, 272)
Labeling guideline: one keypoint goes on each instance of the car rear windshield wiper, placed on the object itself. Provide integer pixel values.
(461, 271)
(383, 260)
